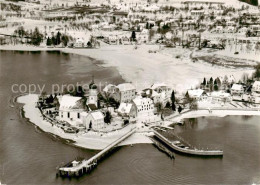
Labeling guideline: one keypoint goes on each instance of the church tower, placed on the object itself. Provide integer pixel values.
(93, 93)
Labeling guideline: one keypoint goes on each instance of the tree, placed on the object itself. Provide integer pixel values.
(215, 85)
(58, 38)
(108, 117)
(211, 85)
(165, 29)
(49, 42)
(36, 37)
(168, 105)
(147, 26)
(90, 125)
(179, 109)
(173, 101)
(21, 31)
(65, 40)
(89, 44)
(257, 71)
(204, 81)
(133, 36)
(248, 33)
(54, 40)
(159, 107)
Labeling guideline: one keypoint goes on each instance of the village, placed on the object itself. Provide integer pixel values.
(167, 23)
(116, 106)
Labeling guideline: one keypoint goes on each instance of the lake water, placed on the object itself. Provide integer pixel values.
(28, 156)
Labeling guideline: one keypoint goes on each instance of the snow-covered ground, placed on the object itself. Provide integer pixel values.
(144, 69)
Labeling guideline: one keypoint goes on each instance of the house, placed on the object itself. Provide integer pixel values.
(243, 30)
(125, 40)
(70, 109)
(197, 94)
(162, 93)
(219, 29)
(123, 93)
(256, 89)
(230, 29)
(79, 43)
(112, 91)
(127, 92)
(145, 107)
(113, 40)
(201, 3)
(197, 13)
(237, 90)
(119, 16)
(220, 96)
(94, 120)
(127, 109)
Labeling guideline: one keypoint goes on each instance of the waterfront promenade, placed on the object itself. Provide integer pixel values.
(189, 151)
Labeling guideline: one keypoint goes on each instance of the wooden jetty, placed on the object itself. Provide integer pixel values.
(79, 168)
(177, 146)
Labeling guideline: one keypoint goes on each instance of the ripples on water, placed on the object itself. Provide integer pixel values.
(28, 156)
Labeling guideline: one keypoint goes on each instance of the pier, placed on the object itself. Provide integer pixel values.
(162, 148)
(79, 168)
(177, 146)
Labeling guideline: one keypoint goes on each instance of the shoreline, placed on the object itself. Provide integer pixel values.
(172, 66)
(95, 141)
(214, 113)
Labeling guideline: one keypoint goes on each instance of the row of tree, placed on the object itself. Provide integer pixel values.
(58, 39)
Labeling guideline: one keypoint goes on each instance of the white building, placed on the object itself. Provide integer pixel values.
(70, 109)
(127, 92)
(191, 4)
(122, 93)
(94, 120)
(256, 89)
(197, 94)
(162, 93)
(127, 109)
(197, 13)
(220, 96)
(237, 90)
(145, 107)
(79, 43)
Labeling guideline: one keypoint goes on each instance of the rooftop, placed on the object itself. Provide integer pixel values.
(69, 102)
(126, 87)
